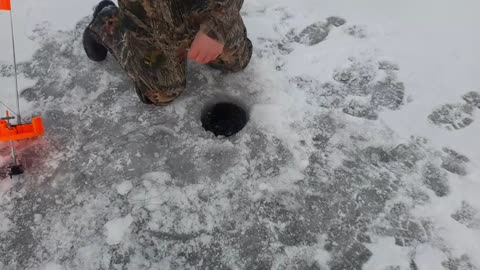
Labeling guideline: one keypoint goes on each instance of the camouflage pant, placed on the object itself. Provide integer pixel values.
(155, 58)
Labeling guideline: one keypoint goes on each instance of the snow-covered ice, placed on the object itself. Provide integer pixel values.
(361, 152)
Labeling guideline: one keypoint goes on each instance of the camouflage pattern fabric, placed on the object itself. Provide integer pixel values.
(150, 39)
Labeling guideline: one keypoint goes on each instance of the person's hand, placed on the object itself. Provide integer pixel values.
(204, 49)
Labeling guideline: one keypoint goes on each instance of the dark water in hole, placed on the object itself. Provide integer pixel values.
(224, 119)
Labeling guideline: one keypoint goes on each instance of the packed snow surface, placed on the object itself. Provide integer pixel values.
(361, 152)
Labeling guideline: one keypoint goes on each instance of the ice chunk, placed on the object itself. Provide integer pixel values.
(4, 223)
(124, 187)
(116, 229)
(52, 266)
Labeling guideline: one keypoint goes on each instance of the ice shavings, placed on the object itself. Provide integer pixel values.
(335, 170)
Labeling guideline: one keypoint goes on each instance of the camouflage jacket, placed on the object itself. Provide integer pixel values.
(180, 20)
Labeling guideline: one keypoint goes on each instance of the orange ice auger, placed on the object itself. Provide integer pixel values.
(5, 5)
(8, 131)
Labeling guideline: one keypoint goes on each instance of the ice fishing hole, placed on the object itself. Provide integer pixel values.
(224, 118)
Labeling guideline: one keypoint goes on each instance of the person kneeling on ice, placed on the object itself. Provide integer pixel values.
(152, 39)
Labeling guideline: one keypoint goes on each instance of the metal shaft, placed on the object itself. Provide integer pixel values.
(12, 144)
(14, 155)
(19, 118)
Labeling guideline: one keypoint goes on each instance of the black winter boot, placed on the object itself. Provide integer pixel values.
(93, 48)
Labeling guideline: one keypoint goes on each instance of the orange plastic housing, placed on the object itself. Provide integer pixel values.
(21, 132)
